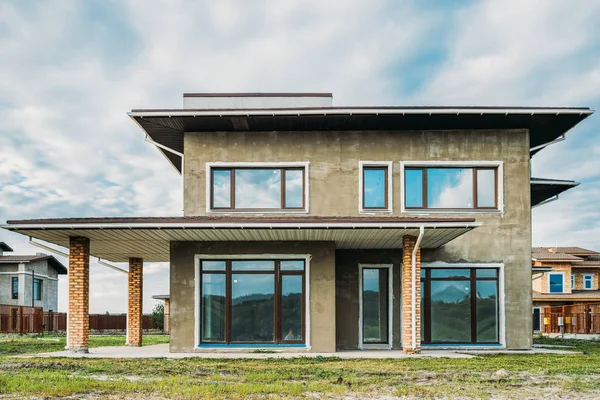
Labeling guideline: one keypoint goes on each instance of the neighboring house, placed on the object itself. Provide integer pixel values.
(569, 276)
(167, 310)
(29, 280)
(320, 228)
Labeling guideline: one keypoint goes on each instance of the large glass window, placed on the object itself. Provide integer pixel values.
(252, 301)
(257, 188)
(15, 287)
(588, 281)
(374, 190)
(556, 283)
(375, 305)
(450, 188)
(37, 289)
(459, 305)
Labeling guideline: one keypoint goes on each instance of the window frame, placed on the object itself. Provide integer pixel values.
(278, 341)
(472, 279)
(573, 281)
(39, 283)
(591, 280)
(232, 166)
(14, 293)
(389, 193)
(373, 345)
(562, 274)
(497, 166)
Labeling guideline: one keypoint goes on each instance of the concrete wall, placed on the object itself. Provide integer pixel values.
(333, 178)
(347, 293)
(42, 271)
(322, 286)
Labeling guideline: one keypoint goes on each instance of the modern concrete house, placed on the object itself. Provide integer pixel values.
(318, 228)
(567, 276)
(29, 280)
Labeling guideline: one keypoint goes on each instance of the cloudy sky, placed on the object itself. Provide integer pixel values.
(70, 70)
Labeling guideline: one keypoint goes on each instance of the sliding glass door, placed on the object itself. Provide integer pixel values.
(252, 301)
(375, 305)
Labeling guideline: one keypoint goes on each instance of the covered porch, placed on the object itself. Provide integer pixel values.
(135, 240)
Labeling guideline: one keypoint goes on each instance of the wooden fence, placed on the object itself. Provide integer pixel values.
(577, 318)
(21, 319)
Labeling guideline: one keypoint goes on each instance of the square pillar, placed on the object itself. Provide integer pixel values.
(78, 323)
(134, 308)
(408, 245)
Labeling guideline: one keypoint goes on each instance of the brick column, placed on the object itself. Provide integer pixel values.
(78, 326)
(134, 309)
(167, 327)
(408, 244)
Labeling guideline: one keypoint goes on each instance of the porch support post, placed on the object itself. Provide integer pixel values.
(166, 325)
(408, 246)
(78, 322)
(134, 309)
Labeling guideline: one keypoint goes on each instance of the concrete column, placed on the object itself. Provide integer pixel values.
(167, 327)
(78, 323)
(408, 245)
(134, 309)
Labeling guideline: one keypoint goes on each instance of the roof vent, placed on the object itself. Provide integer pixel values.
(204, 101)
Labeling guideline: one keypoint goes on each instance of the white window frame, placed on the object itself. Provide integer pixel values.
(389, 193)
(572, 281)
(499, 165)
(501, 307)
(591, 278)
(390, 268)
(198, 257)
(563, 281)
(266, 165)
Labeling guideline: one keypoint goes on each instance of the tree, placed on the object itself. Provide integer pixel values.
(158, 317)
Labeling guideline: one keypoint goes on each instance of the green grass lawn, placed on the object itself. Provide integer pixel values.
(491, 376)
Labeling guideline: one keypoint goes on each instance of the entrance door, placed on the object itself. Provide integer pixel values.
(537, 318)
(375, 306)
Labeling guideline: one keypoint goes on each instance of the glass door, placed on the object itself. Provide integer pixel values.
(375, 306)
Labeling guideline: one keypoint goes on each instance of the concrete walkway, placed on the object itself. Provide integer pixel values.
(162, 351)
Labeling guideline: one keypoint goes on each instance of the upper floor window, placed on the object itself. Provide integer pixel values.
(15, 287)
(572, 281)
(588, 281)
(37, 289)
(258, 188)
(451, 187)
(556, 282)
(375, 186)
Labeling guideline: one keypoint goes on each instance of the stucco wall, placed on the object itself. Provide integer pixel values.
(322, 286)
(333, 178)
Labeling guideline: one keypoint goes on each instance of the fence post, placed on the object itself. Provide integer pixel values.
(50, 321)
(21, 324)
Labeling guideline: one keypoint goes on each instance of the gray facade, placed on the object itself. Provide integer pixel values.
(41, 270)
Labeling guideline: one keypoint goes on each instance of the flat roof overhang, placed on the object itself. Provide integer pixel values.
(543, 190)
(166, 126)
(118, 239)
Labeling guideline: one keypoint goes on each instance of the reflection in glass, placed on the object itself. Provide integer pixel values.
(257, 188)
(450, 311)
(374, 187)
(487, 311)
(291, 265)
(291, 307)
(213, 265)
(213, 307)
(449, 188)
(375, 305)
(486, 272)
(221, 188)
(413, 184)
(556, 283)
(486, 188)
(252, 305)
(261, 265)
(450, 273)
(293, 188)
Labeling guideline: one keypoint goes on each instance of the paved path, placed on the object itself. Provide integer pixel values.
(162, 350)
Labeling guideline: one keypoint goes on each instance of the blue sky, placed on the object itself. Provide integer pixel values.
(72, 69)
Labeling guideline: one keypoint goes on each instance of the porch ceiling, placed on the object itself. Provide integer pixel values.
(117, 239)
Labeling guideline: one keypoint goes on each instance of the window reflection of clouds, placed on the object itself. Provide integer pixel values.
(257, 188)
(374, 188)
(486, 188)
(221, 188)
(450, 188)
(293, 188)
(414, 187)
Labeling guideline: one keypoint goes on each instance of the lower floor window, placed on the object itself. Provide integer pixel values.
(459, 305)
(37, 289)
(252, 301)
